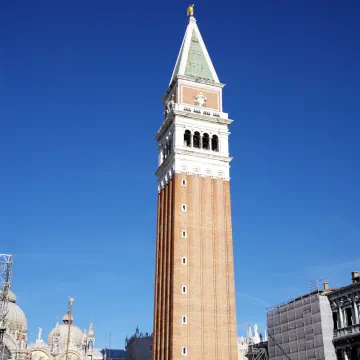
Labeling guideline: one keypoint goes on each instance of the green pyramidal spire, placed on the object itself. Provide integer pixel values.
(193, 59)
(196, 64)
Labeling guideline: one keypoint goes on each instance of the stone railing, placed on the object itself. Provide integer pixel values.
(349, 330)
(201, 111)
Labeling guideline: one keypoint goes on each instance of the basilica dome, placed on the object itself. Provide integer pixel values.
(59, 335)
(16, 318)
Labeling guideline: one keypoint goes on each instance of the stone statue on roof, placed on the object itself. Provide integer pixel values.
(39, 334)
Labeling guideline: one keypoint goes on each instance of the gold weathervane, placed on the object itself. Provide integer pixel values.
(190, 10)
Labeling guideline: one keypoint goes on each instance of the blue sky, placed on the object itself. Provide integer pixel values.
(80, 90)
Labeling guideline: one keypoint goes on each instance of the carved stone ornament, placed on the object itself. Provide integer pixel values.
(169, 105)
(200, 99)
(345, 301)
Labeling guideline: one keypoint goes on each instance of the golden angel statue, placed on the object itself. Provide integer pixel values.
(190, 10)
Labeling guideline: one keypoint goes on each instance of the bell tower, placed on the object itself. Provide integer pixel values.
(194, 307)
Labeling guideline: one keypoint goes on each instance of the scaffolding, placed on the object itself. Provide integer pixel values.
(6, 263)
(258, 351)
(315, 286)
(299, 328)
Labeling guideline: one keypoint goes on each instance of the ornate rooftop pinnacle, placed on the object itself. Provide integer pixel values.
(68, 318)
(190, 10)
(91, 330)
(57, 329)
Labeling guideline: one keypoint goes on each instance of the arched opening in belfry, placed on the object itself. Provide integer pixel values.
(215, 143)
(187, 138)
(196, 139)
(169, 144)
(206, 142)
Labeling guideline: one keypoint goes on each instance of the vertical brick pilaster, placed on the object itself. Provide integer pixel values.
(156, 283)
(168, 270)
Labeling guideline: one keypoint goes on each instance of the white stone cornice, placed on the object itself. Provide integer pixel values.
(207, 83)
(197, 116)
(165, 125)
(166, 165)
(181, 162)
(204, 154)
(165, 174)
(179, 114)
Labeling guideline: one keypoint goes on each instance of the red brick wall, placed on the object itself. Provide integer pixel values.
(209, 273)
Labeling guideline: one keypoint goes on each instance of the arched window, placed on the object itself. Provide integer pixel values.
(206, 141)
(187, 138)
(215, 143)
(168, 147)
(196, 139)
(170, 143)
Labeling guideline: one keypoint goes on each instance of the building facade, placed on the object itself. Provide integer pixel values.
(81, 344)
(194, 307)
(16, 333)
(245, 343)
(66, 336)
(301, 329)
(139, 346)
(113, 354)
(345, 305)
(321, 325)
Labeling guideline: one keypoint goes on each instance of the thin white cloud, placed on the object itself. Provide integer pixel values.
(254, 299)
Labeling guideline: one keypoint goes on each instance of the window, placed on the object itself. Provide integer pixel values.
(215, 143)
(348, 315)
(184, 320)
(167, 147)
(335, 318)
(196, 139)
(183, 234)
(183, 207)
(184, 350)
(206, 142)
(170, 142)
(183, 182)
(183, 289)
(183, 260)
(187, 138)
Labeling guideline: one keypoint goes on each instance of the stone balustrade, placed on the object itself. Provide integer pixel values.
(346, 331)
